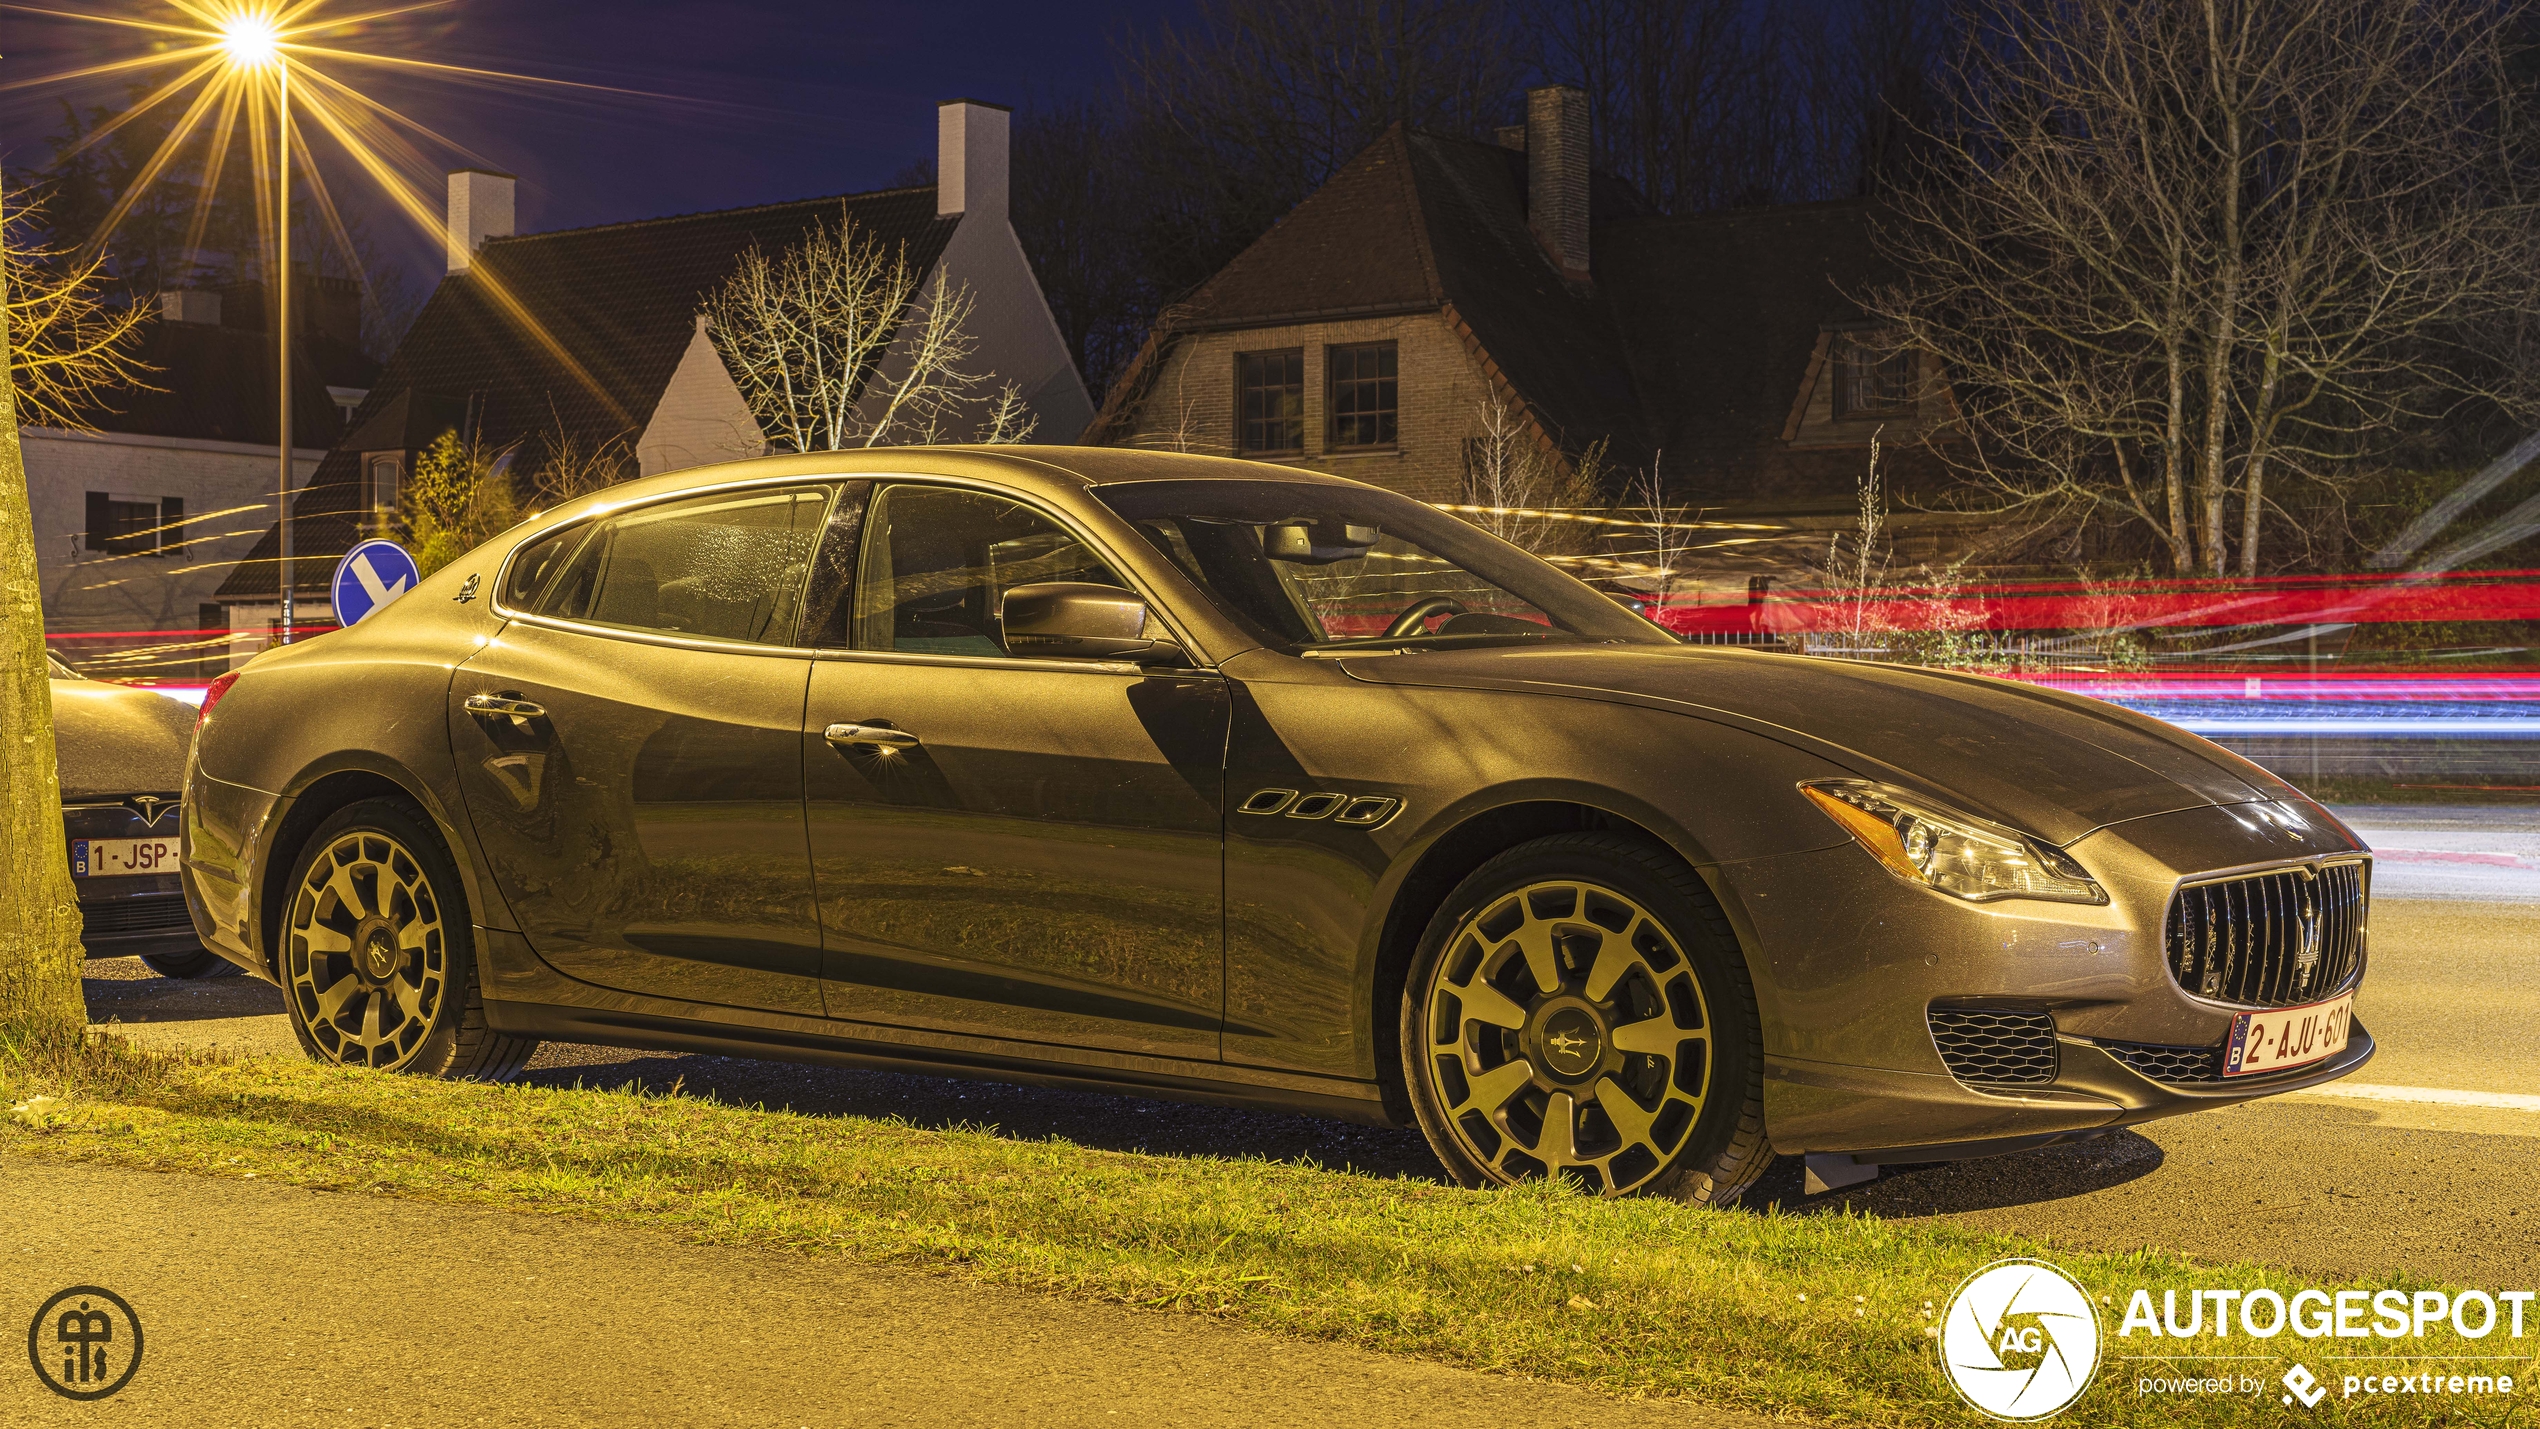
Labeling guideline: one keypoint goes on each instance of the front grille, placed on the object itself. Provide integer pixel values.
(2178, 1066)
(149, 913)
(2271, 939)
(1993, 1047)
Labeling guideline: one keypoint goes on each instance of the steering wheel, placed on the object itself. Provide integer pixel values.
(1410, 621)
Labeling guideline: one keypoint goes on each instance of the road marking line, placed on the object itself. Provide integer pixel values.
(2440, 1096)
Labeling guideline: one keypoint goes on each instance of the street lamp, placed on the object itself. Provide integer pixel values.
(252, 40)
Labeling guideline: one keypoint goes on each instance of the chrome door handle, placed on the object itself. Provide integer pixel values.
(843, 735)
(501, 705)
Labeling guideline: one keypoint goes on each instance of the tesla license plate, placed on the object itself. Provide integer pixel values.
(115, 858)
(2287, 1036)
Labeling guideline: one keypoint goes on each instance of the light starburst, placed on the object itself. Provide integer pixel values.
(230, 64)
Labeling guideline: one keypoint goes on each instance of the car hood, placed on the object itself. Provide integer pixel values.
(2054, 764)
(114, 740)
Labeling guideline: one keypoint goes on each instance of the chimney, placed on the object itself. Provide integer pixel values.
(190, 305)
(970, 158)
(1557, 175)
(480, 208)
(1512, 136)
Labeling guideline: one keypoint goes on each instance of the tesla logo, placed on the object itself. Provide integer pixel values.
(149, 807)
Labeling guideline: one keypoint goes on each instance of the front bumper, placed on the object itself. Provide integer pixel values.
(1854, 962)
(1880, 1117)
(139, 913)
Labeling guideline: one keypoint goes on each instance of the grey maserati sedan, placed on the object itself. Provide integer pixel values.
(1207, 779)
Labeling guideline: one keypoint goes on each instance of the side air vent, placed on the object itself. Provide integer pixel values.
(1994, 1047)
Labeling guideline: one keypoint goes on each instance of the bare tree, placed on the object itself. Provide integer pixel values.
(2169, 252)
(68, 348)
(1520, 490)
(836, 343)
(80, 351)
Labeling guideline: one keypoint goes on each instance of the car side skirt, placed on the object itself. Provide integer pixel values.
(524, 997)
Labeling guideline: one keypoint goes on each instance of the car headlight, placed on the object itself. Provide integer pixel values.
(1964, 857)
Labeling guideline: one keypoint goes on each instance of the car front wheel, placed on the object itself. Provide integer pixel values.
(378, 968)
(1579, 1008)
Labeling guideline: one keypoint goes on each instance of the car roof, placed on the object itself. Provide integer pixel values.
(1045, 471)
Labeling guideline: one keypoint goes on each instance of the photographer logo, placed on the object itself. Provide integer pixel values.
(85, 1343)
(2020, 1340)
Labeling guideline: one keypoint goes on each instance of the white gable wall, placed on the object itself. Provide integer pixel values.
(701, 417)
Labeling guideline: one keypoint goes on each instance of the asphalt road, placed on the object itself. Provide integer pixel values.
(270, 1305)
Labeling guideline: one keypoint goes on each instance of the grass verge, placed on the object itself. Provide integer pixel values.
(1830, 1317)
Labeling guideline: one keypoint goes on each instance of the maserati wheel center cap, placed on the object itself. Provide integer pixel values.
(377, 945)
(1573, 1042)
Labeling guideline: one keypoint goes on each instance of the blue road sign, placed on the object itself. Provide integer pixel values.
(371, 575)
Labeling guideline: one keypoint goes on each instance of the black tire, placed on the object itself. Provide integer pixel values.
(200, 963)
(1678, 994)
(375, 879)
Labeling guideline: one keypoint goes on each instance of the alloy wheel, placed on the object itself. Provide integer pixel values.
(366, 964)
(1567, 1035)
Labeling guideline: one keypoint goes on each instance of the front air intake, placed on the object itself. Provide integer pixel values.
(2275, 939)
(1987, 1047)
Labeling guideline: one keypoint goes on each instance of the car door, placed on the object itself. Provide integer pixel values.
(1005, 846)
(629, 749)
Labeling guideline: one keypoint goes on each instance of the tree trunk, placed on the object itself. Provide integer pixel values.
(40, 952)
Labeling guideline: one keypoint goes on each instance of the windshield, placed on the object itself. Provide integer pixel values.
(1306, 567)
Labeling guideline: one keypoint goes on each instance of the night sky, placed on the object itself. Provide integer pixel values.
(774, 100)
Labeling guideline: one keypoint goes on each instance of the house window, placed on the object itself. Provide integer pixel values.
(381, 472)
(1270, 402)
(120, 525)
(1363, 395)
(1874, 375)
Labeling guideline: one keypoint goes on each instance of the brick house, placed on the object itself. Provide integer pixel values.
(1367, 333)
(591, 336)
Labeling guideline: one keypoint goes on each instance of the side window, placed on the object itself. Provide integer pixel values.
(725, 567)
(537, 564)
(938, 562)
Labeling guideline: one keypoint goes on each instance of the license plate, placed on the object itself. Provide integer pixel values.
(116, 858)
(2284, 1037)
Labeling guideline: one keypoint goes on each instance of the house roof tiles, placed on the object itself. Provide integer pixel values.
(573, 333)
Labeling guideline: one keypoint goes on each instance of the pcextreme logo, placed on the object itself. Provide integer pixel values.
(2020, 1340)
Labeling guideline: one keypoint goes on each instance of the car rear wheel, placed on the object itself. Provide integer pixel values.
(378, 968)
(200, 963)
(1579, 1008)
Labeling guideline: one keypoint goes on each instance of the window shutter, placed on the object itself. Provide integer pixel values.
(101, 522)
(171, 515)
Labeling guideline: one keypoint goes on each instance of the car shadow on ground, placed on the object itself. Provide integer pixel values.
(1109, 1123)
(1951, 1187)
(122, 989)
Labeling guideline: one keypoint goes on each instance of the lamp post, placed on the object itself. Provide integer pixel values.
(252, 41)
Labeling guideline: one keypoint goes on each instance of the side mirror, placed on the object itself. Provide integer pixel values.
(1076, 620)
